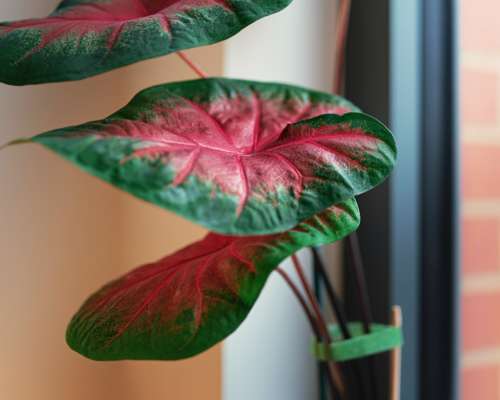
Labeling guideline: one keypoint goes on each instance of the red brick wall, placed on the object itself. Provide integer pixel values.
(480, 114)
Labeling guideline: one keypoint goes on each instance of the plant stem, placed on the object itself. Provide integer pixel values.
(302, 301)
(313, 324)
(337, 307)
(334, 300)
(333, 368)
(361, 287)
(360, 280)
(319, 317)
(197, 70)
(341, 36)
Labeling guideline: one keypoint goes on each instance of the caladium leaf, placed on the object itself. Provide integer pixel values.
(82, 38)
(189, 301)
(230, 155)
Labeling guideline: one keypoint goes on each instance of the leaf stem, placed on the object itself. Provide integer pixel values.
(302, 301)
(333, 368)
(338, 309)
(360, 281)
(332, 296)
(197, 70)
(312, 322)
(366, 312)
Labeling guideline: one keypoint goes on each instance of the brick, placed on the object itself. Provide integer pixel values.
(479, 97)
(480, 29)
(481, 383)
(480, 320)
(481, 171)
(480, 245)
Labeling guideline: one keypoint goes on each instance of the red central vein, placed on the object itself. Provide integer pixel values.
(246, 191)
(295, 170)
(337, 136)
(147, 301)
(211, 121)
(188, 167)
(165, 148)
(108, 297)
(164, 22)
(276, 136)
(161, 145)
(115, 35)
(234, 253)
(198, 312)
(299, 174)
(134, 130)
(256, 122)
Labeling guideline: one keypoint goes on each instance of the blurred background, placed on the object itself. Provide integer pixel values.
(430, 236)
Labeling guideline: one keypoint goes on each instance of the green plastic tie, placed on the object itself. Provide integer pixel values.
(382, 338)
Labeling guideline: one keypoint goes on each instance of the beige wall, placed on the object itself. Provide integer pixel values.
(64, 233)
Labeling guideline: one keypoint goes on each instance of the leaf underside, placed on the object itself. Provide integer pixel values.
(233, 155)
(187, 302)
(82, 38)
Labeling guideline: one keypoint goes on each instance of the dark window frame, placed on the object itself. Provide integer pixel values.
(402, 68)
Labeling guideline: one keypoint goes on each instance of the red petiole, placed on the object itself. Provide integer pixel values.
(197, 70)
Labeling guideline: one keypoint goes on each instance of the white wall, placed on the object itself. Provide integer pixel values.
(268, 357)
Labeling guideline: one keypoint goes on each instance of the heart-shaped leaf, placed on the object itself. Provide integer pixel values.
(82, 38)
(189, 301)
(222, 153)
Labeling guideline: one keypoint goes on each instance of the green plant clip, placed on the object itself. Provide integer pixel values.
(382, 338)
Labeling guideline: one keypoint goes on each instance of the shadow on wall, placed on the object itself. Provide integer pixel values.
(65, 233)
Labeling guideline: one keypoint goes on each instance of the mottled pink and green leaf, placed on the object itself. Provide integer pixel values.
(238, 157)
(82, 38)
(189, 301)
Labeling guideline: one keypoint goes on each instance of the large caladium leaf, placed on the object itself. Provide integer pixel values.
(231, 155)
(188, 301)
(82, 38)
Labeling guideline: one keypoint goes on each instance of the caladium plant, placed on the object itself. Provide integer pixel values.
(82, 38)
(269, 168)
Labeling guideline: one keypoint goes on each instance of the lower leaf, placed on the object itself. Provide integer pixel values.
(188, 301)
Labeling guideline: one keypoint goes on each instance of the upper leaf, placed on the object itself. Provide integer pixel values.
(82, 38)
(228, 154)
(188, 301)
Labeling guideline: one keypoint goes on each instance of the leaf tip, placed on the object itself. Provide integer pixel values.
(14, 142)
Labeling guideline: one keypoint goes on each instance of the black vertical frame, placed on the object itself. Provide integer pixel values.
(401, 67)
(440, 170)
